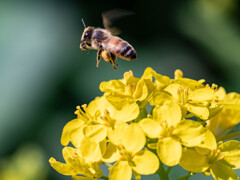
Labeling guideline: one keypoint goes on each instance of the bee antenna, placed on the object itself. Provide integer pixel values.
(83, 23)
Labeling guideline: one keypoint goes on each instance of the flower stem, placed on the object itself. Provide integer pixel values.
(104, 177)
(169, 169)
(186, 177)
(163, 175)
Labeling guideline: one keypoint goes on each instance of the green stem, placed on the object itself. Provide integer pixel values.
(104, 177)
(162, 173)
(186, 177)
(169, 169)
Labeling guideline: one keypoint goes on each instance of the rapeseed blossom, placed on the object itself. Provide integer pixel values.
(139, 124)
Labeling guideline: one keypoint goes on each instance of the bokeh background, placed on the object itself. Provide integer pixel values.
(44, 75)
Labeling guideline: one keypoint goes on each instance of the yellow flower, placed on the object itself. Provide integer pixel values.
(129, 141)
(225, 121)
(90, 129)
(75, 165)
(138, 89)
(219, 162)
(191, 95)
(113, 129)
(171, 131)
(199, 102)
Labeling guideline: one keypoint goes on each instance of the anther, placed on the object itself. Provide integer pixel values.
(84, 106)
(214, 87)
(106, 112)
(127, 75)
(178, 74)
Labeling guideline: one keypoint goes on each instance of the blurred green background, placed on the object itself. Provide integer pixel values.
(44, 75)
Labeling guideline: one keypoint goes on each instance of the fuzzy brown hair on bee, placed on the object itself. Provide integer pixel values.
(108, 46)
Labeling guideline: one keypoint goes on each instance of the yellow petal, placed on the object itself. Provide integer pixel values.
(75, 164)
(145, 162)
(201, 112)
(208, 144)
(221, 172)
(231, 152)
(220, 93)
(151, 128)
(169, 112)
(141, 91)
(76, 136)
(71, 155)
(128, 112)
(173, 90)
(70, 126)
(169, 151)
(161, 81)
(111, 154)
(202, 94)
(232, 98)
(124, 110)
(158, 98)
(120, 170)
(62, 168)
(190, 83)
(95, 133)
(116, 100)
(131, 136)
(115, 86)
(223, 121)
(193, 161)
(190, 132)
(91, 151)
(148, 73)
(214, 111)
(232, 106)
(101, 104)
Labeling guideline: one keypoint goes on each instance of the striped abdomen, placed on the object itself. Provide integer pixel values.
(120, 48)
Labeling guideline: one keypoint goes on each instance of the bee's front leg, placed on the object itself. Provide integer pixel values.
(99, 55)
(83, 46)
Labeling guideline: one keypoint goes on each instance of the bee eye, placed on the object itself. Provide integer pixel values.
(86, 35)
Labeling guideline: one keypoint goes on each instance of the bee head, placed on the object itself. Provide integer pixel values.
(87, 34)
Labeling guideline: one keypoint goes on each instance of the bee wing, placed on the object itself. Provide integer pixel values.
(109, 17)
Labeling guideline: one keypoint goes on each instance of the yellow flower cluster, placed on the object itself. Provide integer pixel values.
(139, 124)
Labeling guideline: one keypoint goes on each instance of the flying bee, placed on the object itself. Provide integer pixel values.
(108, 45)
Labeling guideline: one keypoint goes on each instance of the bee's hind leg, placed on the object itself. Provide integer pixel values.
(113, 60)
(99, 56)
(113, 63)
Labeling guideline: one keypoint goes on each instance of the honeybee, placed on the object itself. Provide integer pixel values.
(108, 45)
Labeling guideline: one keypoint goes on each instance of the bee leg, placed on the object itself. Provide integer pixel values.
(99, 56)
(83, 46)
(113, 63)
(116, 63)
(114, 58)
(89, 45)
